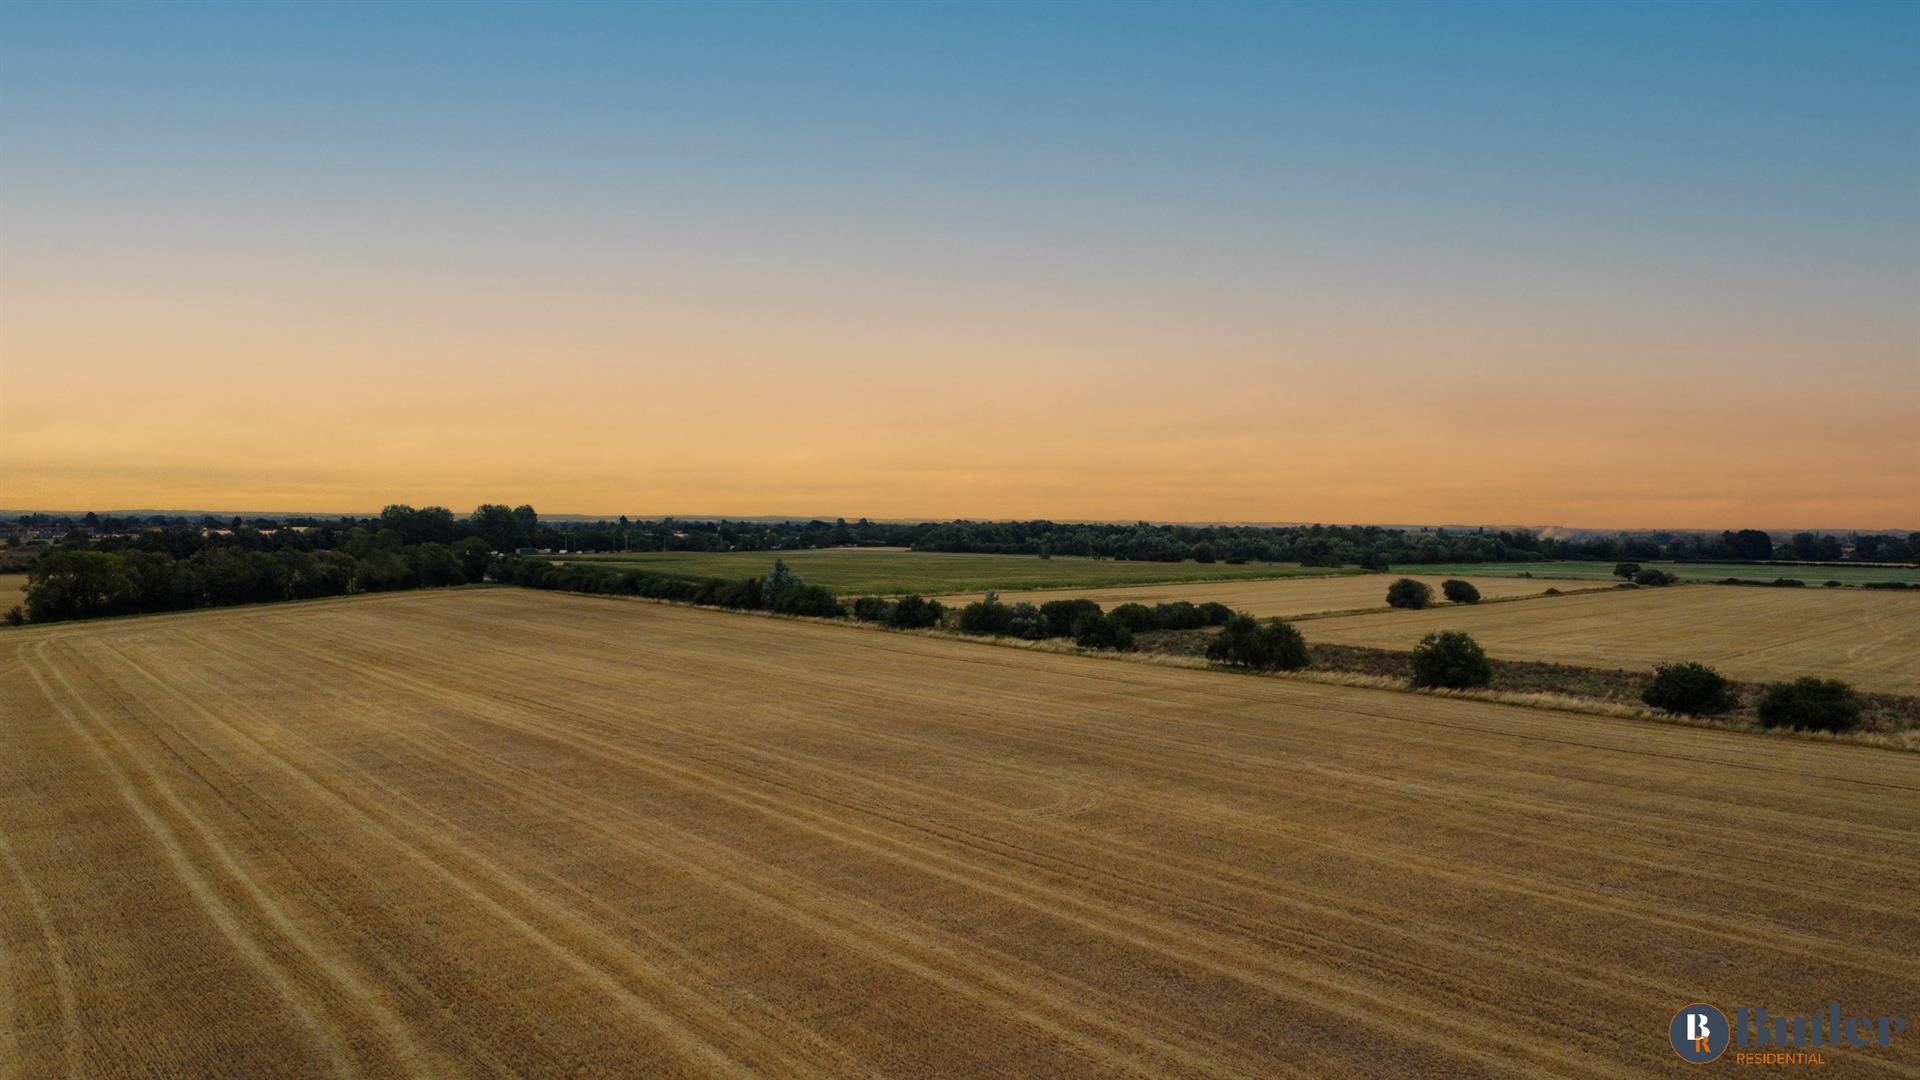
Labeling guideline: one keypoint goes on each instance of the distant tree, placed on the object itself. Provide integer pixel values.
(1095, 631)
(800, 599)
(1689, 688)
(1025, 621)
(1460, 592)
(1203, 552)
(1138, 618)
(1626, 570)
(1215, 613)
(1654, 577)
(77, 585)
(1451, 659)
(1061, 615)
(473, 554)
(1179, 615)
(776, 585)
(987, 616)
(872, 608)
(1810, 703)
(1408, 593)
(1272, 645)
(913, 611)
(1749, 544)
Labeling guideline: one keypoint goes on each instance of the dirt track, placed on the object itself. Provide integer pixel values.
(496, 831)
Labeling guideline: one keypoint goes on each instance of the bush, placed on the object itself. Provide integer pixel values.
(1556, 592)
(1460, 592)
(1136, 617)
(1788, 583)
(1885, 585)
(872, 609)
(1102, 632)
(814, 600)
(915, 612)
(1025, 621)
(1834, 585)
(1062, 615)
(1451, 659)
(777, 584)
(988, 616)
(1810, 703)
(1272, 645)
(1203, 552)
(1690, 688)
(1654, 577)
(1408, 593)
(1178, 615)
(1215, 613)
(1626, 570)
(16, 616)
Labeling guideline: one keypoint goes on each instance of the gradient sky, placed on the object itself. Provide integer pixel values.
(1599, 265)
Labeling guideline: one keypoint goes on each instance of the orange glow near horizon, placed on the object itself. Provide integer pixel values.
(1234, 263)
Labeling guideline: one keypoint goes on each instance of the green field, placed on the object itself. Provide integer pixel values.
(1818, 574)
(884, 571)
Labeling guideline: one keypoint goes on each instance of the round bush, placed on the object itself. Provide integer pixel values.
(1690, 688)
(1650, 576)
(1451, 659)
(1061, 615)
(871, 609)
(1459, 592)
(809, 600)
(1178, 615)
(1810, 703)
(1626, 570)
(1408, 593)
(914, 612)
(1095, 631)
(1272, 645)
(1136, 617)
(1216, 613)
(988, 616)
(1025, 621)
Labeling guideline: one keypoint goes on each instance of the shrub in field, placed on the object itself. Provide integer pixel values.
(1460, 592)
(1651, 576)
(1789, 583)
(16, 616)
(809, 600)
(1408, 593)
(871, 609)
(915, 612)
(1178, 615)
(1203, 552)
(1556, 592)
(1626, 570)
(1449, 658)
(1025, 621)
(777, 583)
(1272, 645)
(988, 616)
(1834, 585)
(1061, 615)
(1094, 631)
(1690, 688)
(1216, 613)
(1137, 617)
(1810, 703)
(1886, 585)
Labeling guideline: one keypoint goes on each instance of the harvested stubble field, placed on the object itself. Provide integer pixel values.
(1814, 574)
(892, 571)
(1869, 638)
(494, 831)
(1289, 597)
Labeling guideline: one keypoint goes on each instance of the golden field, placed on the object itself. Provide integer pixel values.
(496, 831)
(1869, 638)
(1290, 597)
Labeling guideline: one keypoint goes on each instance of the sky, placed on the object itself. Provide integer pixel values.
(1599, 265)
